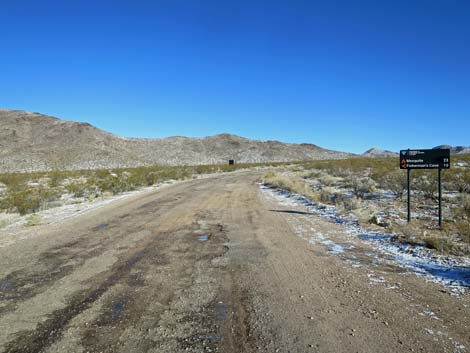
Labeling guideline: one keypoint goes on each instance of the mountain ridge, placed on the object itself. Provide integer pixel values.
(32, 141)
(377, 152)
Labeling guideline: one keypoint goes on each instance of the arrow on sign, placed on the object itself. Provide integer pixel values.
(403, 163)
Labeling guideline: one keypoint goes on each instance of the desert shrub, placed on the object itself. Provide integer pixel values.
(350, 203)
(328, 180)
(22, 201)
(466, 207)
(33, 220)
(311, 174)
(360, 186)
(292, 184)
(77, 189)
(12, 180)
(426, 183)
(394, 181)
(442, 243)
(55, 177)
(102, 174)
(27, 200)
(114, 184)
(464, 185)
(327, 196)
(463, 231)
(410, 233)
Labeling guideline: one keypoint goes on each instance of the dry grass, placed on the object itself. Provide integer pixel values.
(363, 176)
(444, 241)
(292, 184)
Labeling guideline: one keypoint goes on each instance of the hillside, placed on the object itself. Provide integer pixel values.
(377, 152)
(33, 141)
(455, 149)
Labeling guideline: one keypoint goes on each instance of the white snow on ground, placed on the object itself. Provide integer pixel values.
(375, 279)
(334, 248)
(450, 271)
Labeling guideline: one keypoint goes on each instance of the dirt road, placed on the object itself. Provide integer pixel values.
(210, 265)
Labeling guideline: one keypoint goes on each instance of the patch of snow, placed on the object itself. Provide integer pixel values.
(428, 331)
(335, 248)
(375, 279)
(450, 271)
(430, 314)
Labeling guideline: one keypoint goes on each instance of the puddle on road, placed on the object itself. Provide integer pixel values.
(221, 312)
(118, 309)
(101, 227)
(6, 285)
(336, 248)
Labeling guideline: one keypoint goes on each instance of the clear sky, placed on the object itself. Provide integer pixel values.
(346, 75)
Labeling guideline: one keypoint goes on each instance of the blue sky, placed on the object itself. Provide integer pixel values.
(346, 75)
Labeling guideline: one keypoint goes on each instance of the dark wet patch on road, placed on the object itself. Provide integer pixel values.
(6, 286)
(48, 331)
(20, 285)
(101, 226)
(130, 305)
(52, 265)
(221, 312)
(118, 309)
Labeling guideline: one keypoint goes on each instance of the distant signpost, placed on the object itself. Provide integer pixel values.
(425, 159)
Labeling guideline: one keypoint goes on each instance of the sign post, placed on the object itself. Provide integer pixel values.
(408, 172)
(440, 198)
(425, 159)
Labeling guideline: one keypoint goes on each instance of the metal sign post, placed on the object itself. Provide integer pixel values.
(408, 172)
(425, 159)
(440, 198)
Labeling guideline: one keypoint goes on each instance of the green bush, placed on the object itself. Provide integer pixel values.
(77, 189)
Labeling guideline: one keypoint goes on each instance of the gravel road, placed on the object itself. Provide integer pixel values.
(210, 265)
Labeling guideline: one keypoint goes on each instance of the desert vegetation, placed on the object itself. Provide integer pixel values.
(374, 190)
(27, 193)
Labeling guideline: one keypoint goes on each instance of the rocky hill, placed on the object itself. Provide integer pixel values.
(377, 152)
(33, 141)
(455, 149)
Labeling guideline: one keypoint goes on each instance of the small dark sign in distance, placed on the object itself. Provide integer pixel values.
(425, 159)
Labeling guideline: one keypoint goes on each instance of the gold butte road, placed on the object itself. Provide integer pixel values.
(207, 266)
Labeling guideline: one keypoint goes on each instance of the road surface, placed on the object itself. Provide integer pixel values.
(209, 265)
